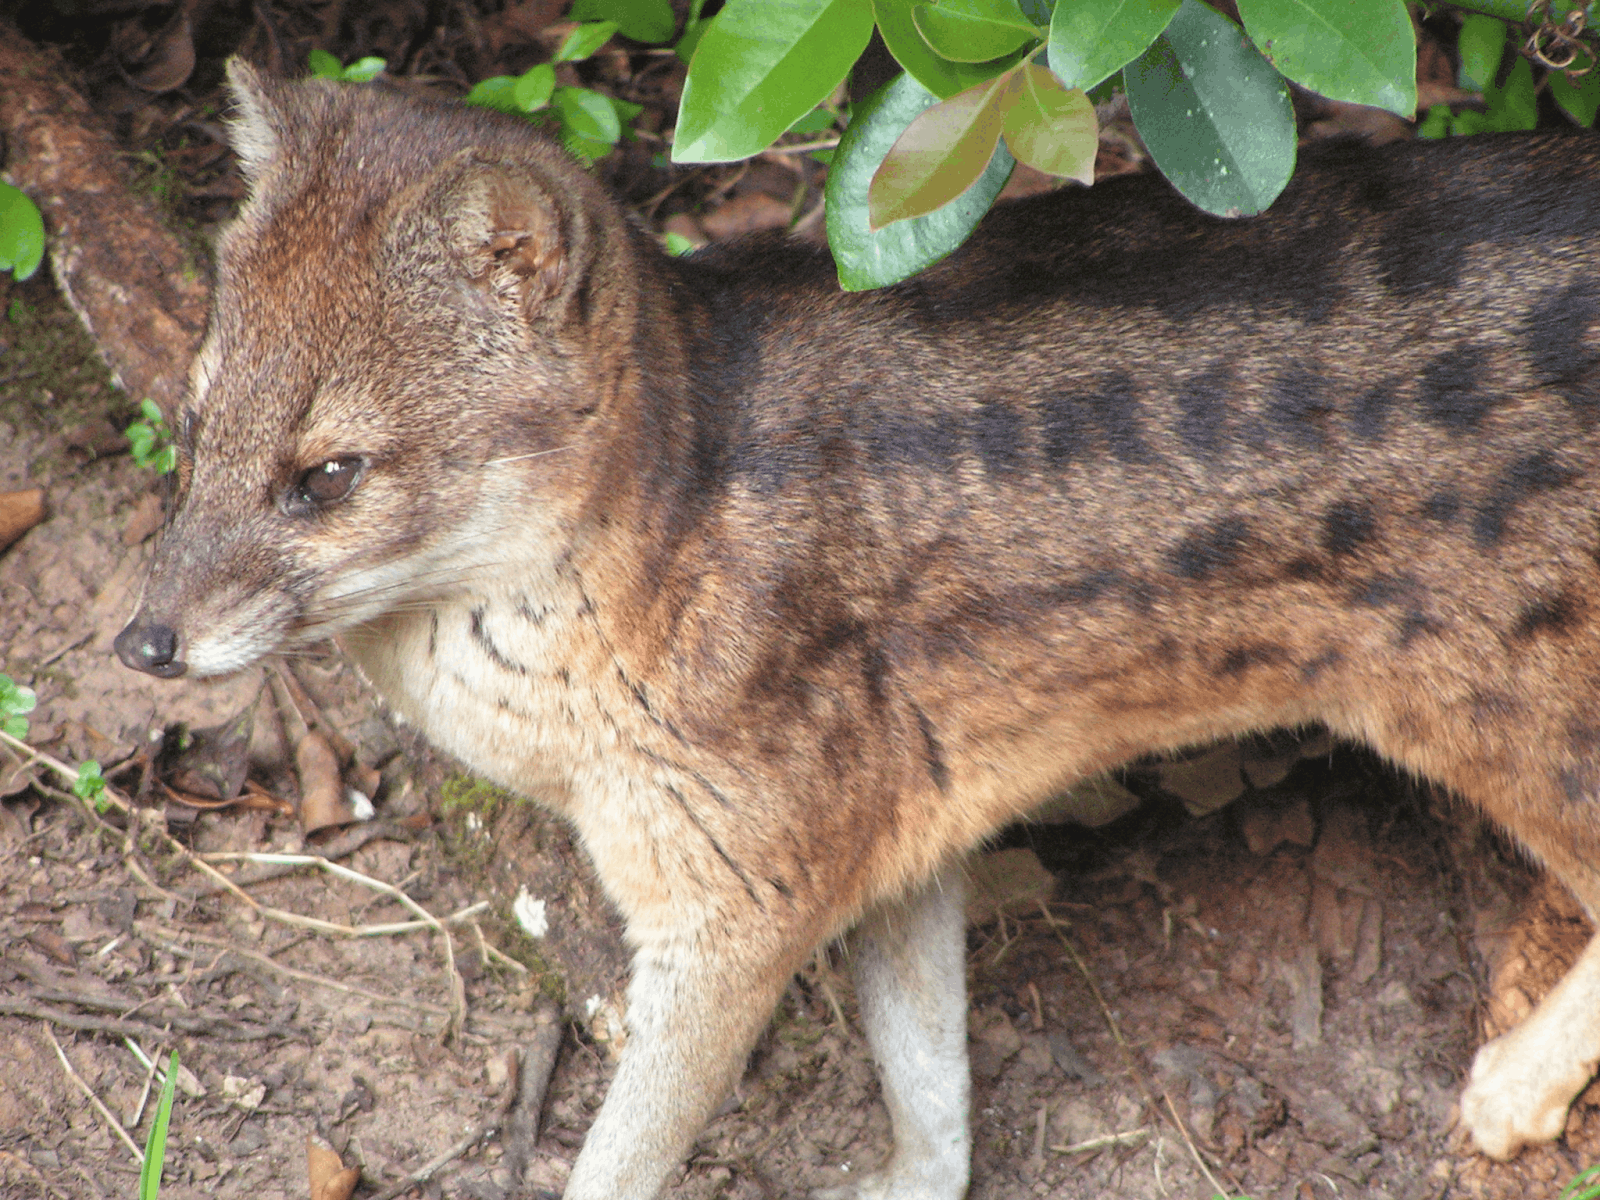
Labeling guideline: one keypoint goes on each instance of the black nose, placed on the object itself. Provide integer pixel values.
(152, 649)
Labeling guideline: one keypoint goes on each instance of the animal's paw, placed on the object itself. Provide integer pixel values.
(1520, 1089)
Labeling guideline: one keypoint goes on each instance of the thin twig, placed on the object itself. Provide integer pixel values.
(105, 1113)
(1127, 1053)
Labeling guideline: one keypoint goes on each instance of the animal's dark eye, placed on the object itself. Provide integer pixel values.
(328, 483)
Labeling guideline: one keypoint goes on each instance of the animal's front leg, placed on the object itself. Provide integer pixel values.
(1524, 1081)
(909, 961)
(696, 1004)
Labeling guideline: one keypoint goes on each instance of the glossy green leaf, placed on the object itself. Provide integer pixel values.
(1213, 113)
(325, 66)
(533, 88)
(872, 258)
(815, 121)
(586, 114)
(761, 66)
(1481, 46)
(1513, 104)
(1579, 101)
(21, 233)
(1358, 51)
(1436, 124)
(583, 41)
(1050, 128)
(1091, 40)
(939, 75)
(498, 92)
(364, 70)
(941, 153)
(648, 21)
(973, 31)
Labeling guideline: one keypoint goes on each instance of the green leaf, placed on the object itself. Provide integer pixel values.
(587, 114)
(325, 65)
(1050, 128)
(21, 233)
(941, 154)
(678, 245)
(1580, 101)
(1513, 104)
(1092, 40)
(940, 76)
(648, 21)
(166, 462)
(90, 784)
(151, 411)
(872, 258)
(16, 727)
(364, 70)
(973, 31)
(1358, 51)
(761, 66)
(1436, 124)
(585, 40)
(815, 121)
(16, 699)
(155, 1149)
(1213, 113)
(1481, 46)
(693, 31)
(533, 88)
(498, 92)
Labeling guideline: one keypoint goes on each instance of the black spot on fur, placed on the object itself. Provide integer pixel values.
(1442, 506)
(1548, 614)
(998, 431)
(1203, 409)
(1299, 406)
(1556, 338)
(1370, 413)
(933, 752)
(1381, 591)
(1256, 654)
(1347, 526)
(1214, 548)
(1414, 624)
(1319, 664)
(1451, 389)
(1527, 477)
(1063, 429)
(1304, 568)
(1084, 590)
(1071, 424)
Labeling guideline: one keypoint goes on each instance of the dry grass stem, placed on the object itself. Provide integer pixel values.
(1127, 1054)
(105, 1113)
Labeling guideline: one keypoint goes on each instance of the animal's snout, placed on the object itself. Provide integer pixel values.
(150, 647)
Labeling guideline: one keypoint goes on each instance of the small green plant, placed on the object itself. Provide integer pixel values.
(90, 785)
(155, 1146)
(21, 233)
(150, 441)
(1584, 1186)
(363, 70)
(15, 701)
(590, 123)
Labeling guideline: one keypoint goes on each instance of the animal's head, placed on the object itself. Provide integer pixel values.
(421, 317)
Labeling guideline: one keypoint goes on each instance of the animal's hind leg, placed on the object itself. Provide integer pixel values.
(1523, 1082)
(909, 963)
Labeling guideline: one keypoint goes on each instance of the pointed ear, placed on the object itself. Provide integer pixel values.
(519, 234)
(258, 117)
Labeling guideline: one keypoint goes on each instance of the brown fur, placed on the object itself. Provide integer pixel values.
(796, 595)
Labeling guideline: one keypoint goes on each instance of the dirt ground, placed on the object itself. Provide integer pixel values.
(1300, 978)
